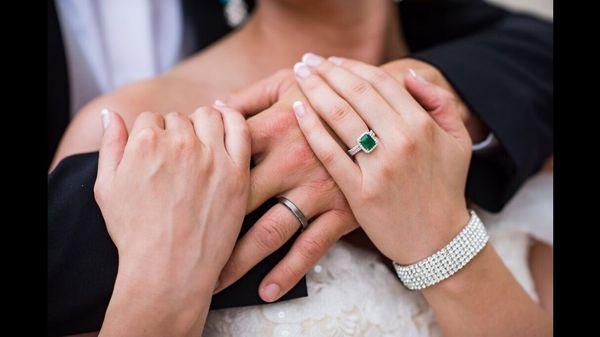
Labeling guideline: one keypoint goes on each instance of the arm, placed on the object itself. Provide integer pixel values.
(82, 259)
(408, 194)
(501, 65)
(171, 251)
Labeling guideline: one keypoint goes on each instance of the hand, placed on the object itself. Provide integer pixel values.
(173, 197)
(408, 194)
(285, 165)
(400, 68)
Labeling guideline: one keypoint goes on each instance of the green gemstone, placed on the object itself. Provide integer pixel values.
(367, 142)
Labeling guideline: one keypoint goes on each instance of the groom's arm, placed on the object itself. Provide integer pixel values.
(501, 65)
(83, 261)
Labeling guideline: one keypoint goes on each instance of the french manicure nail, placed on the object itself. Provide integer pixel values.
(219, 102)
(105, 117)
(301, 70)
(335, 60)
(299, 109)
(420, 78)
(270, 292)
(312, 60)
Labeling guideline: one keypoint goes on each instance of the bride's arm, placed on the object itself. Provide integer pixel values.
(484, 299)
(408, 194)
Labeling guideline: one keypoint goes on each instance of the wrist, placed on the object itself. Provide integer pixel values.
(143, 303)
(437, 234)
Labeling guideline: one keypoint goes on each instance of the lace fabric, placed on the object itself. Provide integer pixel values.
(352, 293)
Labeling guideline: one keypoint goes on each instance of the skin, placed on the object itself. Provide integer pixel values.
(408, 194)
(270, 40)
(172, 195)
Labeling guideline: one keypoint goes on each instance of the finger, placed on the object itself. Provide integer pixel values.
(260, 127)
(439, 102)
(308, 248)
(237, 135)
(336, 112)
(389, 88)
(148, 119)
(268, 234)
(359, 93)
(335, 160)
(178, 124)
(260, 95)
(113, 144)
(266, 180)
(208, 125)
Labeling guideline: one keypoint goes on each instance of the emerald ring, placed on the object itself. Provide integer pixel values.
(366, 142)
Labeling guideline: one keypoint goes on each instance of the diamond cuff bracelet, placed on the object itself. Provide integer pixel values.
(447, 261)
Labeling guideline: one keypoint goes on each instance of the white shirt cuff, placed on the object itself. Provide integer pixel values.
(489, 142)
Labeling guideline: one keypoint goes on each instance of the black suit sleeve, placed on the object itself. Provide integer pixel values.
(82, 259)
(501, 64)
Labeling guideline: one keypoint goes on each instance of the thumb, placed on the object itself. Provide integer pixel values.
(439, 103)
(261, 95)
(113, 143)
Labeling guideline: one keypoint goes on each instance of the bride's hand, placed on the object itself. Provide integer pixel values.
(408, 194)
(173, 196)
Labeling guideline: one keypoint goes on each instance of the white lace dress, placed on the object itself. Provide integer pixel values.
(352, 293)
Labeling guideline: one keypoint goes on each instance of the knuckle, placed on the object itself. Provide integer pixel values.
(328, 158)
(386, 170)
(321, 185)
(371, 193)
(427, 127)
(184, 143)
(360, 88)
(326, 68)
(148, 114)
(269, 234)
(146, 137)
(173, 114)
(311, 248)
(339, 111)
(290, 273)
(407, 146)
(379, 77)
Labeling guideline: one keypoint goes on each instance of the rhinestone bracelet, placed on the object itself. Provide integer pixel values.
(447, 261)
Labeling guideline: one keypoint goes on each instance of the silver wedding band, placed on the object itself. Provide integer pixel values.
(295, 210)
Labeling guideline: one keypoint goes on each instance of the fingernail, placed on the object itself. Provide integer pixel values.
(301, 70)
(336, 60)
(418, 77)
(271, 292)
(312, 60)
(105, 116)
(218, 102)
(299, 109)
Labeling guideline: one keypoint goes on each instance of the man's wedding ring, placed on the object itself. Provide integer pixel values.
(366, 142)
(295, 210)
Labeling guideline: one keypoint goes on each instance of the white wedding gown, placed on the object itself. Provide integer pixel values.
(352, 293)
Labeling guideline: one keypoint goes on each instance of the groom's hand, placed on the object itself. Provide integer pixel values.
(400, 68)
(285, 166)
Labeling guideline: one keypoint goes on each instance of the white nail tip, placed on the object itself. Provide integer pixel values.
(104, 116)
(312, 60)
(301, 70)
(219, 102)
(299, 108)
